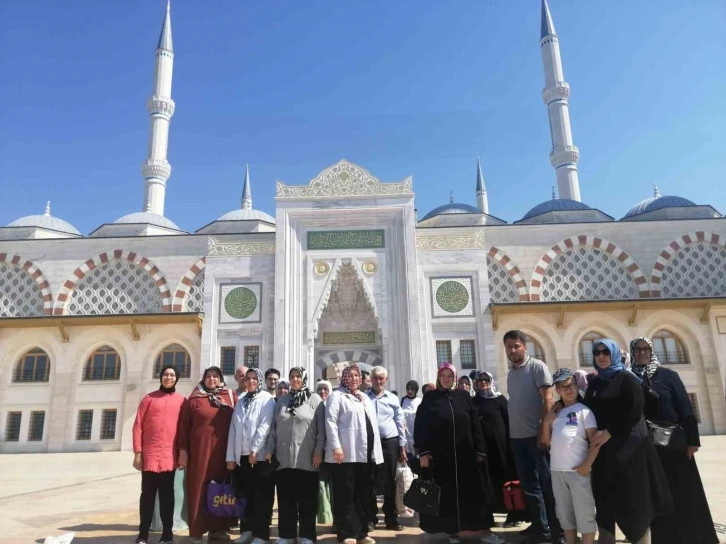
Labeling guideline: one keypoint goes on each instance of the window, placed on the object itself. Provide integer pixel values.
(37, 422)
(34, 366)
(535, 349)
(585, 349)
(669, 349)
(443, 351)
(228, 360)
(103, 364)
(252, 356)
(175, 355)
(696, 408)
(467, 352)
(12, 426)
(84, 425)
(108, 425)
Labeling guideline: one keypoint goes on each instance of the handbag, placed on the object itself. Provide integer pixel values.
(513, 496)
(423, 496)
(667, 435)
(222, 501)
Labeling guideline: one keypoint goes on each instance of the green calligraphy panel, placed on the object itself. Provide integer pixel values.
(346, 239)
(363, 337)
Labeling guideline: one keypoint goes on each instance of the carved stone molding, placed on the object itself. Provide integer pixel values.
(559, 92)
(450, 243)
(219, 248)
(160, 105)
(567, 155)
(156, 169)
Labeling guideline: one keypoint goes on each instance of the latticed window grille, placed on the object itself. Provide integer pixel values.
(587, 274)
(585, 347)
(176, 355)
(33, 367)
(696, 408)
(501, 284)
(84, 425)
(669, 348)
(116, 287)
(228, 360)
(20, 295)
(467, 353)
(103, 364)
(252, 356)
(12, 426)
(108, 424)
(443, 351)
(696, 270)
(534, 349)
(35, 430)
(194, 301)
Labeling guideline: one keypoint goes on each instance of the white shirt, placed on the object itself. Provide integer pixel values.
(249, 429)
(409, 407)
(345, 428)
(569, 445)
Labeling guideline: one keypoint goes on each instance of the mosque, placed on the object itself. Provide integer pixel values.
(344, 271)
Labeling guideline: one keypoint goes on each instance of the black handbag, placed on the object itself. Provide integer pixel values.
(667, 435)
(423, 496)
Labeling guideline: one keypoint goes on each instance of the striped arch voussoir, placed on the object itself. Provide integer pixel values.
(593, 242)
(109, 256)
(673, 247)
(36, 274)
(519, 282)
(182, 289)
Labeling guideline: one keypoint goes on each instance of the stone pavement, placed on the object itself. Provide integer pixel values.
(95, 495)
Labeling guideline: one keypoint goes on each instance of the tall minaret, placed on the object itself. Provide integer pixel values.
(246, 191)
(564, 154)
(482, 201)
(156, 169)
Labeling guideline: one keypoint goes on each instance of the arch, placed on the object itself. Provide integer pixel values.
(672, 248)
(174, 354)
(592, 242)
(32, 367)
(103, 364)
(182, 290)
(104, 258)
(503, 259)
(584, 347)
(358, 356)
(35, 273)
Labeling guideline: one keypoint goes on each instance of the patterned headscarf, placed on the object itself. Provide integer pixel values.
(345, 378)
(644, 372)
(299, 397)
(490, 393)
(443, 367)
(219, 397)
(252, 394)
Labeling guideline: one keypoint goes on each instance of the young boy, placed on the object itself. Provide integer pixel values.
(568, 429)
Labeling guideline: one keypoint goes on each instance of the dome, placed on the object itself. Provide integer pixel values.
(657, 203)
(453, 207)
(247, 214)
(147, 217)
(556, 205)
(45, 222)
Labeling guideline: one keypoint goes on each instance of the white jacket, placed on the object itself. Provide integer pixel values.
(345, 427)
(409, 407)
(249, 428)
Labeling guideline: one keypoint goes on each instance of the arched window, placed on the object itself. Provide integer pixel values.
(585, 347)
(176, 355)
(34, 366)
(669, 348)
(535, 349)
(103, 364)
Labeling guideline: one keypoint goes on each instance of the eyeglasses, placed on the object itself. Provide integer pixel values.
(570, 387)
(597, 352)
(641, 350)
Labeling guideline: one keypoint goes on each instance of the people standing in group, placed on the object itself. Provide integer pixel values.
(452, 450)
(465, 384)
(239, 377)
(156, 454)
(272, 376)
(283, 388)
(202, 439)
(352, 449)
(667, 402)
(366, 382)
(409, 406)
(569, 431)
(628, 481)
(392, 432)
(325, 509)
(529, 385)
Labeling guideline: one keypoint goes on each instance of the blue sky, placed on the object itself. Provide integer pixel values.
(404, 87)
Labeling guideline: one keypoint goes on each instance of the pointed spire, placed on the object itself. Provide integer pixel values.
(656, 192)
(246, 191)
(451, 197)
(482, 201)
(479, 177)
(165, 36)
(548, 27)
(47, 209)
(554, 195)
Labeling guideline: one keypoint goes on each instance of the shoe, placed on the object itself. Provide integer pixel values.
(259, 541)
(244, 538)
(395, 526)
(285, 541)
(304, 541)
(453, 539)
(218, 535)
(365, 540)
(349, 541)
(141, 540)
(559, 540)
(492, 539)
(195, 540)
(167, 540)
(511, 524)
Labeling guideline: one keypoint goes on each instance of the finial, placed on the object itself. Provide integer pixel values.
(246, 190)
(656, 192)
(451, 197)
(554, 195)
(165, 41)
(47, 208)
(547, 26)
(480, 188)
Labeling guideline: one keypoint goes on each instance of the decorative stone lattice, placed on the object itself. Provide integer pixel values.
(183, 298)
(587, 274)
(20, 295)
(501, 284)
(696, 270)
(8, 290)
(116, 287)
(520, 284)
(194, 301)
(240, 303)
(452, 297)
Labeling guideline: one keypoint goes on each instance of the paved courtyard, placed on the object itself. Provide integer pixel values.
(95, 496)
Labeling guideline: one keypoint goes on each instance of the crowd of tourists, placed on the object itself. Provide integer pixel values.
(617, 447)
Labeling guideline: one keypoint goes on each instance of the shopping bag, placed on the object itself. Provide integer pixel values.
(404, 477)
(221, 500)
(423, 496)
(513, 496)
(63, 539)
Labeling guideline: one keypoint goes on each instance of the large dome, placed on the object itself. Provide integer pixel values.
(247, 214)
(45, 222)
(147, 217)
(556, 205)
(658, 203)
(453, 207)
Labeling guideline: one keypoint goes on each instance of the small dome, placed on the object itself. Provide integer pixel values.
(453, 207)
(657, 203)
(556, 205)
(247, 214)
(45, 222)
(147, 217)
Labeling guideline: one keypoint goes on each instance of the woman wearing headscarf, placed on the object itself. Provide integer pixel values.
(325, 511)
(283, 388)
(581, 381)
(666, 401)
(202, 440)
(627, 478)
(352, 449)
(451, 445)
(409, 405)
(427, 387)
(246, 454)
(323, 388)
(297, 440)
(156, 454)
(465, 384)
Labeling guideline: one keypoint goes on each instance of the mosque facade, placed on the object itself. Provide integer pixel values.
(345, 271)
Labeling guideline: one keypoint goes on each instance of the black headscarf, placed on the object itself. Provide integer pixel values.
(252, 394)
(171, 389)
(413, 384)
(301, 396)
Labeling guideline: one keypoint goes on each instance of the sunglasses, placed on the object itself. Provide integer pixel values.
(597, 352)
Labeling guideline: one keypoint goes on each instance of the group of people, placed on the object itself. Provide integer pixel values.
(585, 462)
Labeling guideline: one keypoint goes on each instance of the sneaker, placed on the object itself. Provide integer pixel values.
(365, 540)
(258, 541)
(244, 538)
(492, 539)
(218, 535)
(195, 540)
(141, 540)
(166, 540)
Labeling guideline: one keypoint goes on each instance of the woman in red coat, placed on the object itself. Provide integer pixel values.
(202, 440)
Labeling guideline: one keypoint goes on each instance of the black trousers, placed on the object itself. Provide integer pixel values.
(297, 499)
(386, 484)
(260, 494)
(353, 493)
(151, 484)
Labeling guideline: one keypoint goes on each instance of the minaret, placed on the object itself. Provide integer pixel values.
(246, 191)
(482, 201)
(564, 154)
(156, 169)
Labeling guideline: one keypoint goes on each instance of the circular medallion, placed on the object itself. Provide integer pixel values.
(370, 267)
(321, 268)
(452, 297)
(240, 303)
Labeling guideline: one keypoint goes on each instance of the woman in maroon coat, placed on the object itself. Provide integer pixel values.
(202, 436)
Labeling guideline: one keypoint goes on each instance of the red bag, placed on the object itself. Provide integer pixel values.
(513, 496)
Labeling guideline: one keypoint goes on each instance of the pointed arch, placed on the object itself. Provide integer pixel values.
(350, 355)
(16, 261)
(182, 290)
(503, 259)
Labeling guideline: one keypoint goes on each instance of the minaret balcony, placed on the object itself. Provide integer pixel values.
(153, 168)
(160, 105)
(568, 154)
(560, 91)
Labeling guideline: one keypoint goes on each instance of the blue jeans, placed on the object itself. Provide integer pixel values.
(533, 469)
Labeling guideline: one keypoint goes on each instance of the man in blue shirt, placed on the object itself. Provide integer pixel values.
(392, 428)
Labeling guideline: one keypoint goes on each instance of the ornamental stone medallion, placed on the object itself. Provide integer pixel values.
(370, 267)
(240, 303)
(321, 268)
(451, 297)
